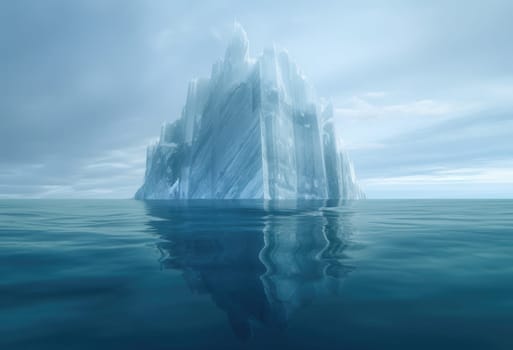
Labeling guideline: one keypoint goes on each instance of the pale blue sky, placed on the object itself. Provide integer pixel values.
(423, 93)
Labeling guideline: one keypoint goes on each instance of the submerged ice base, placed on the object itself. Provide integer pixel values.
(254, 130)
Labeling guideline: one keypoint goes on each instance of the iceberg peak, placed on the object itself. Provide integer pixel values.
(238, 49)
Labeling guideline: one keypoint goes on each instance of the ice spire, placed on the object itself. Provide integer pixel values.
(238, 49)
(236, 63)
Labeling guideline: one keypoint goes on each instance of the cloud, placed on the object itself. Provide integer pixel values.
(463, 142)
(361, 145)
(115, 173)
(494, 180)
(375, 94)
(372, 121)
(488, 175)
(363, 107)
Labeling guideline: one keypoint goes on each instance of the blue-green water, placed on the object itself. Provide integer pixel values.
(250, 275)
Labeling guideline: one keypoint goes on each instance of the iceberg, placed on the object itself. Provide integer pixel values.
(253, 130)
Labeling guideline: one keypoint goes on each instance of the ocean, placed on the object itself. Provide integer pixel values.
(371, 274)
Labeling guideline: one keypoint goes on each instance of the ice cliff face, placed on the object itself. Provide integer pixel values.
(253, 130)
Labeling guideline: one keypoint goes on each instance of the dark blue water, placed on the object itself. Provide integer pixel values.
(252, 275)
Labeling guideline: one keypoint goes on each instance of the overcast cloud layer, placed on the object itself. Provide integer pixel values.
(423, 93)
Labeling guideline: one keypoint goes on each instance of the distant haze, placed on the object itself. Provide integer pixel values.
(423, 92)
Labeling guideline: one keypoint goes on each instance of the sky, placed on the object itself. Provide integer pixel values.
(423, 92)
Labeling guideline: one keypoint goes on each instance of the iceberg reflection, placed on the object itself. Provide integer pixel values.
(259, 261)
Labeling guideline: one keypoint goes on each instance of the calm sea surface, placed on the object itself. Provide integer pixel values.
(374, 274)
